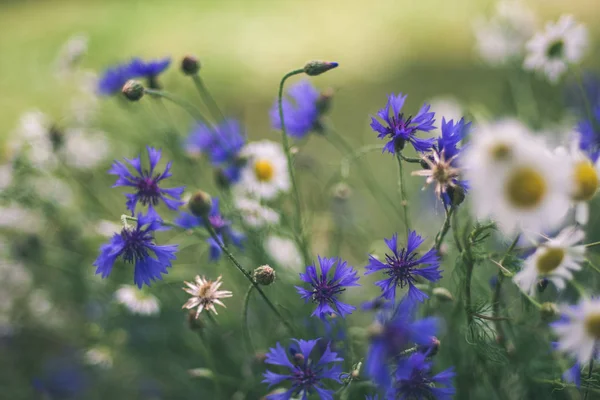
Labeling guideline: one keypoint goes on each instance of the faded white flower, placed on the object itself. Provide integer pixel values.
(83, 149)
(284, 252)
(100, 356)
(205, 294)
(137, 301)
(255, 214)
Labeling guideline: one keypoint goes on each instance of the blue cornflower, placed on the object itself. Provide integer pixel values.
(146, 182)
(305, 374)
(136, 245)
(301, 113)
(61, 378)
(589, 135)
(222, 144)
(573, 374)
(452, 134)
(115, 77)
(148, 70)
(402, 267)
(401, 130)
(325, 291)
(413, 380)
(391, 334)
(221, 226)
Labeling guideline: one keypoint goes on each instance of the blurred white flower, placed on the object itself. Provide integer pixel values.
(20, 219)
(15, 278)
(502, 38)
(6, 176)
(40, 304)
(83, 149)
(100, 356)
(107, 228)
(205, 294)
(85, 104)
(578, 330)
(554, 260)
(70, 54)
(254, 213)
(560, 45)
(514, 179)
(447, 107)
(284, 252)
(33, 136)
(265, 174)
(137, 301)
(53, 189)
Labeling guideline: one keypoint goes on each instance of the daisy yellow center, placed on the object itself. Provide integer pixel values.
(586, 181)
(263, 169)
(592, 325)
(550, 260)
(525, 188)
(500, 151)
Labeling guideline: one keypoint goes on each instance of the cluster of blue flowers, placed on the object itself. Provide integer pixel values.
(114, 78)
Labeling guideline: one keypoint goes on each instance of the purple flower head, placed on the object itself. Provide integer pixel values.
(391, 334)
(136, 245)
(113, 79)
(324, 290)
(413, 380)
(149, 70)
(403, 265)
(146, 183)
(221, 225)
(399, 129)
(300, 112)
(589, 135)
(304, 374)
(222, 144)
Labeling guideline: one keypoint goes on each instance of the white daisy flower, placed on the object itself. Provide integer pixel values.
(514, 180)
(33, 136)
(85, 150)
(284, 252)
(100, 356)
(502, 38)
(447, 107)
(70, 54)
(137, 301)
(584, 178)
(255, 214)
(205, 294)
(579, 329)
(21, 219)
(561, 44)
(266, 173)
(554, 260)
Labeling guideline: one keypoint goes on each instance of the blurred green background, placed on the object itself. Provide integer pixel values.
(424, 49)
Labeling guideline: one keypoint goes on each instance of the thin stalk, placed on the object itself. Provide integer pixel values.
(587, 387)
(235, 262)
(402, 190)
(592, 266)
(207, 98)
(190, 108)
(498, 289)
(211, 362)
(245, 328)
(455, 232)
(410, 159)
(300, 236)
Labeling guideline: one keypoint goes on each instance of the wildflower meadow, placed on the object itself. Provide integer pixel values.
(205, 219)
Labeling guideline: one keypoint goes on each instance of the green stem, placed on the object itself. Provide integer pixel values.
(587, 387)
(235, 262)
(410, 159)
(455, 232)
(190, 108)
(402, 190)
(439, 238)
(207, 98)
(211, 362)
(562, 384)
(591, 244)
(498, 289)
(595, 268)
(245, 328)
(300, 236)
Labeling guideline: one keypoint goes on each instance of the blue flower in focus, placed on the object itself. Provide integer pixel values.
(136, 245)
(413, 380)
(305, 374)
(300, 112)
(399, 129)
(146, 183)
(221, 226)
(222, 144)
(392, 333)
(113, 79)
(324, 290)
(452, 135)
(61, 378)
(402, 267)
(589, 135)
(149, 70)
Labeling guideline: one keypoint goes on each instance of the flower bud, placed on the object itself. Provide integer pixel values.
(221, 179)
(341, 192)
(432, 348)
(133, 90)
(201, 373)
(549, 311)
(193, 323)
(200, 204)
(190, 65)
(456, 194)
(443, 294)
(313, 68)
(264, 275)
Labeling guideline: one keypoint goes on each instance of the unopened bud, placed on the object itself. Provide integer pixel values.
(221, 179)
(456, 194)
(443, 294)
(190, 65)
(264, 275)
(549, 311)
(299, 358)
(313, 68)
(133, 90)
(432, 348)
(200, 204)
(260, 357)
(201, 373)
(341, 191)
(193, 323)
